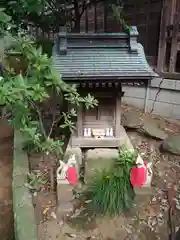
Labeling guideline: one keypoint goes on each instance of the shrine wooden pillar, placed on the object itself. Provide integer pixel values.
(175, 21)
(80, 121)
(169, 39)
(118, 115)
(147, 86)
(162, 38)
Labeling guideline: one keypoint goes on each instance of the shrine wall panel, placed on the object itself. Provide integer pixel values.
(102, 116)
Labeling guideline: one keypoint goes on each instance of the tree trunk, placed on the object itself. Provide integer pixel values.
(77, 27)
(77, 17)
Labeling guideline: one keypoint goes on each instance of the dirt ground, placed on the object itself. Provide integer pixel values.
(6, 154)
(148, 218)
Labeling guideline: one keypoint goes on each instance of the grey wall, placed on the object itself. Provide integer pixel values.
(167, 103)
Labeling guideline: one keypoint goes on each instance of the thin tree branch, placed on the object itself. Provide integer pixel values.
(40, 118)
(53, 122)
(84, 7)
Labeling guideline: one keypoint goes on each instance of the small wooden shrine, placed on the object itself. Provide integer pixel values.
(100, 63)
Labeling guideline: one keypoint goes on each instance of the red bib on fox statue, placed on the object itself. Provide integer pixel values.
(71, 175)
(67, 173)
(139, 175)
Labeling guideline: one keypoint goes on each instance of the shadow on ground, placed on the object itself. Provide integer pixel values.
(6, 207)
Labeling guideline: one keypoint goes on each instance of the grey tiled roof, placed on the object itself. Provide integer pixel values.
(85, 59)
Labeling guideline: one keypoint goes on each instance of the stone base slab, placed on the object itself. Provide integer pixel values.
(64, 199)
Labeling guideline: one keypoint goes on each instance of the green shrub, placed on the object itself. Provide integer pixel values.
(111, 191)
(46, 45)
(32, 93)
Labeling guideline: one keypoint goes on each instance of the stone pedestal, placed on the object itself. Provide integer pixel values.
(141, 191)
(98, 159)
(78, 155)
(64, 199)
(65, 190)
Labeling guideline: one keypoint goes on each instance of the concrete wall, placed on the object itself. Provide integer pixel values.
(24, 216)
(166, 102)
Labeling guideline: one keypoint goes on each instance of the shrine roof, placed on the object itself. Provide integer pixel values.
(101, 56)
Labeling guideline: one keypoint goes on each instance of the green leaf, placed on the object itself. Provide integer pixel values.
(19, 81)
(31, 99)
(4, 18)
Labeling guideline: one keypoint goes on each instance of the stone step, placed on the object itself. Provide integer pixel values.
(140, 191)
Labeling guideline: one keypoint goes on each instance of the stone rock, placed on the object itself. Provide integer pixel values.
(131, 119)
(172, 145)
(153, 131)
(132, 237)
(98, 159)
(143, 191)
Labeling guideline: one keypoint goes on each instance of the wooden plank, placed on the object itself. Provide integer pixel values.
(118, 116)
(99, 95)
(105, 16)
(162, 38)
(178, 46)
(174, 44)
(86, 20)
(95, 17)
(147, 25)
(79, 121)
(96, 143)
(178, 6)
(163, 34)
(98, 124)
(173, 11)
(95, 122)
(100, 17)
(102, 116)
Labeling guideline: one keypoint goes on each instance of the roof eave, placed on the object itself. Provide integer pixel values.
(112, 78)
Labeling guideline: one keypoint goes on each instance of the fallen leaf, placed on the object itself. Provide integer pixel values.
(151, 211)
(45, 210)
(70, 235)
(127, 229)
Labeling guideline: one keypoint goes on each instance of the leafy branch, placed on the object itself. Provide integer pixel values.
(34, 95)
